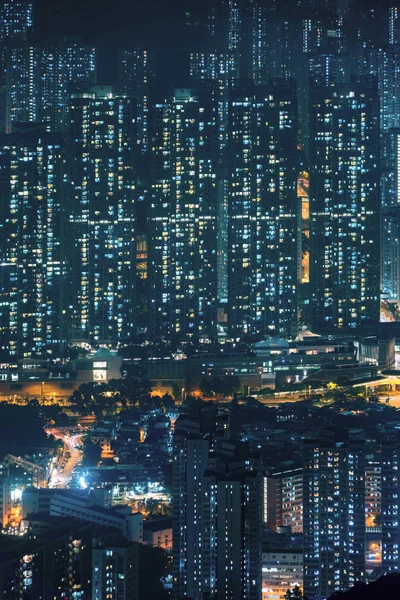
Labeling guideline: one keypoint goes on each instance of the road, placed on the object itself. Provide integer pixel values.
(59, 479)
(394, 399)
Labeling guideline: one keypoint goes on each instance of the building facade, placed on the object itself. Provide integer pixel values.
(183, 219)
(262, 210)
(33, 271)
(115, 569)
(333, 516)
(101, 191)
(217, 518)
(282, 570)
(344, 206)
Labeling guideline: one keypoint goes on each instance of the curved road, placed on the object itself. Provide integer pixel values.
(58, 479)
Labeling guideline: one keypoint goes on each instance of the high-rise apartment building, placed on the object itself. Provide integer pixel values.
(390, 506)
(35, 81)
(333, 516)
(394, 25)
(239, 29)
(262, 210)
(190, 462)
(62, 66)
(259, 55)
(390, 215)
(285, 46)
(33, 268)
(101, 192)
(344, 206)
(382, 63)
(373, 511)
(217, 516)
(19, 84)
(53, 560)
(283, 499)
(232, 557)
(200, 209)
(115, 568)
(212, 66)
(16, 19)
(183, 220)
(133, 82)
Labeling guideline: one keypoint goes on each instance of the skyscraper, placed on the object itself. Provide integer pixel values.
(16, 19)
(19, 84)
(394, 25)
(133, 82)
(54, 559)
(62, 66)
(183, 218)
(33, 269)
(383, 64)
(239, 29)
(390, 506)
(190, 462)
(232, 558)
(36, 80)
(333, 516)
(217, 516)
(115, 568)
(259, 59)
(390, 215)
(262, 210)
(344, 206)
(101, 188)
(212, 66)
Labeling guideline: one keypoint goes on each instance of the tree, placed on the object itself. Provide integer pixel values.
(103, 402)
(130, 390)
(294, 594)
(150, 402)
(139, 390)
(192, 400)
(231, 384)
(205, 387)
(266, 392)
(217, 385)
(54, 415)
(167, 401)
(176, 391)
(82, 399)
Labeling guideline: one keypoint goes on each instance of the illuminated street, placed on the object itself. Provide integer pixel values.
(61, 479)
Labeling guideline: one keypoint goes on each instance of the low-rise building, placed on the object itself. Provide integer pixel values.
(282, 570)
(120, 517)
(158, 533)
